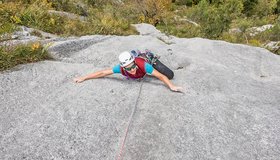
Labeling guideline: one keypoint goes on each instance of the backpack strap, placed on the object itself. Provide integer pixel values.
(148, 56)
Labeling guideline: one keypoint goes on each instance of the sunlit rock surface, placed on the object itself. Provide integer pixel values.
(230, 108)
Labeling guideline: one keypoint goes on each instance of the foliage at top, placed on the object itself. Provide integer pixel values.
(183, 18)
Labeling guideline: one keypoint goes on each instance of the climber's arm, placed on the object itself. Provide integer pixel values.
(166, 81)
(94, 75)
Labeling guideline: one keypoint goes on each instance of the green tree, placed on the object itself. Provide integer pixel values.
(196, 1)
(217, 2)
(216, 18)
(248, 6)
(264, 7)
(232, 9)
(184, 2)
(277, 9)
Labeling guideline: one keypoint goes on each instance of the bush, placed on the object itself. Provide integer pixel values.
(180, 30)
(36, 16)
(100, 3)
(109, 20)
(277, 9)
(255, 42)
(69, 6)
(7, 28)
(8, 17)
(209, 18)
(184, 2)
(242, 24)
(153, 11)
(215, 19)
(232, 9)
(232, 38)
(264, 7)
(10, 57)
(272, 34)
(8, 10)
(248, 6)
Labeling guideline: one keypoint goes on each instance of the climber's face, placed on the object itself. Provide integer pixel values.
(131, 68)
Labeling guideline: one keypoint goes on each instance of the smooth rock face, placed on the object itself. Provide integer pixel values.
(230, 109)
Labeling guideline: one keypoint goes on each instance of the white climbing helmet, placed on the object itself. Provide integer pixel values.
(126, 58)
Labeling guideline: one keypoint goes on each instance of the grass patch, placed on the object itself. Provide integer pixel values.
(107, 19)
(12, 56)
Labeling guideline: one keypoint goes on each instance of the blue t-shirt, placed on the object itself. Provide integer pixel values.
(148, 68)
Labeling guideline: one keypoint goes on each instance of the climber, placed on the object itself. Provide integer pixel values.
(133, 68)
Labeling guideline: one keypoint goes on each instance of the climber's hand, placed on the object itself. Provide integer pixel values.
(79, 79)
(176, 89)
